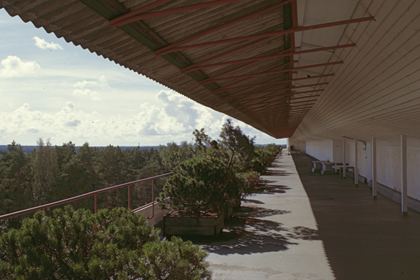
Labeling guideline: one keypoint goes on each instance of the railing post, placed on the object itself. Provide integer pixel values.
(46, 206)
(45, 211)
(129, 198)
(95, 201)
(153, 199)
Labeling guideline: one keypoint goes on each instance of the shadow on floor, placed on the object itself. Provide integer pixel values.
(247, 233)
(364, 239)
(268, 187)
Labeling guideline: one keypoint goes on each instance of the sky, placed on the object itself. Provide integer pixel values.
(54, 90)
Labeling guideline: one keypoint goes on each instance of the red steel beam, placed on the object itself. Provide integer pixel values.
(272, 91)
(282, 98)
(173, 48)
(270, 72)
(278, 107)
(210, 80)
(282, 54)
(282, 95)
(277, 102)
(269, 82)
(247, 86)
(187, 69)
(169, 49)
(291, 93)
(280, 71)
(290, 80)
(277, 113)
(114, 21)
(265, 83)
(136, 15)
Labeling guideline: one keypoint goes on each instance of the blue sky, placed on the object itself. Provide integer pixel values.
(52, 89)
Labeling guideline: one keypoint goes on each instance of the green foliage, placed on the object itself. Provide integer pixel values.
(45, 170)
(215, 178)
(240, 146)
(264, 156)
(202, 140)
(173, 154)
(52, 173)
(113, 244)
(202, 183)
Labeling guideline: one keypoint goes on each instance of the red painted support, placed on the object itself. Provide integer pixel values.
(265, 112)
(275, 109)
(153, 199)
(276, 102)
(286, 94)
(169, 49)
(246, 102)
(210, 80)
(137, 16)
(114, 21)
(129, 197)
(193, 67)
(174, 48)
(272, 91)
(282, 54)
(272, 81)
(286, 81)
(275, 72)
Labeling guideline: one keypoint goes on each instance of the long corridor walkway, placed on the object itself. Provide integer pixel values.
(274, 236)
(363, 238)
(303, 225)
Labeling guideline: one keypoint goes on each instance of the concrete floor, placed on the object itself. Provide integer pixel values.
(306, 226)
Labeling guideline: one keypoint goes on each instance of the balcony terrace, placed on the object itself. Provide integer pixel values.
(307, 226)
(304, 225)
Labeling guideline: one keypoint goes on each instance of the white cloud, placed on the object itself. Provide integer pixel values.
(152, 125)
(87, 92)
(89, 88)
(42, 44)
(13, 66)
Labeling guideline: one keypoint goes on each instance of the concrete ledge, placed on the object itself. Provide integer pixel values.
(147, 211)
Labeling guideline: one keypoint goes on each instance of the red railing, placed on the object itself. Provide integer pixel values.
(44, 207)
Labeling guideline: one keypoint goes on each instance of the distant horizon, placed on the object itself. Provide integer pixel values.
(125, 146)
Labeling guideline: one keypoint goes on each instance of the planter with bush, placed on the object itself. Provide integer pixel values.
(212, 182)
(198, 192)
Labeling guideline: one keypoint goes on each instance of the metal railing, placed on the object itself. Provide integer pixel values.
(44, 207)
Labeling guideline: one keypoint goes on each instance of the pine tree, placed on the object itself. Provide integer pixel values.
(115, 244)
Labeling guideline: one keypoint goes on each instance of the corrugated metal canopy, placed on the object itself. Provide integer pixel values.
(238, 57)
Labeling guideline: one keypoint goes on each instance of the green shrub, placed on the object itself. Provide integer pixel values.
(115, 244)
(202, 183)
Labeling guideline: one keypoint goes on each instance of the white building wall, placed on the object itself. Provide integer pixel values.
(389, 165)
(321, 149)
(337, 151)
(388, 160)
(361, 157)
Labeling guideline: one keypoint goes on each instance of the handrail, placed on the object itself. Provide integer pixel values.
(77, 197)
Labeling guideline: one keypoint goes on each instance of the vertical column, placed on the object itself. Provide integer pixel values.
(404, 174)
(374, 186)
(344, 158)
(356, 168)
